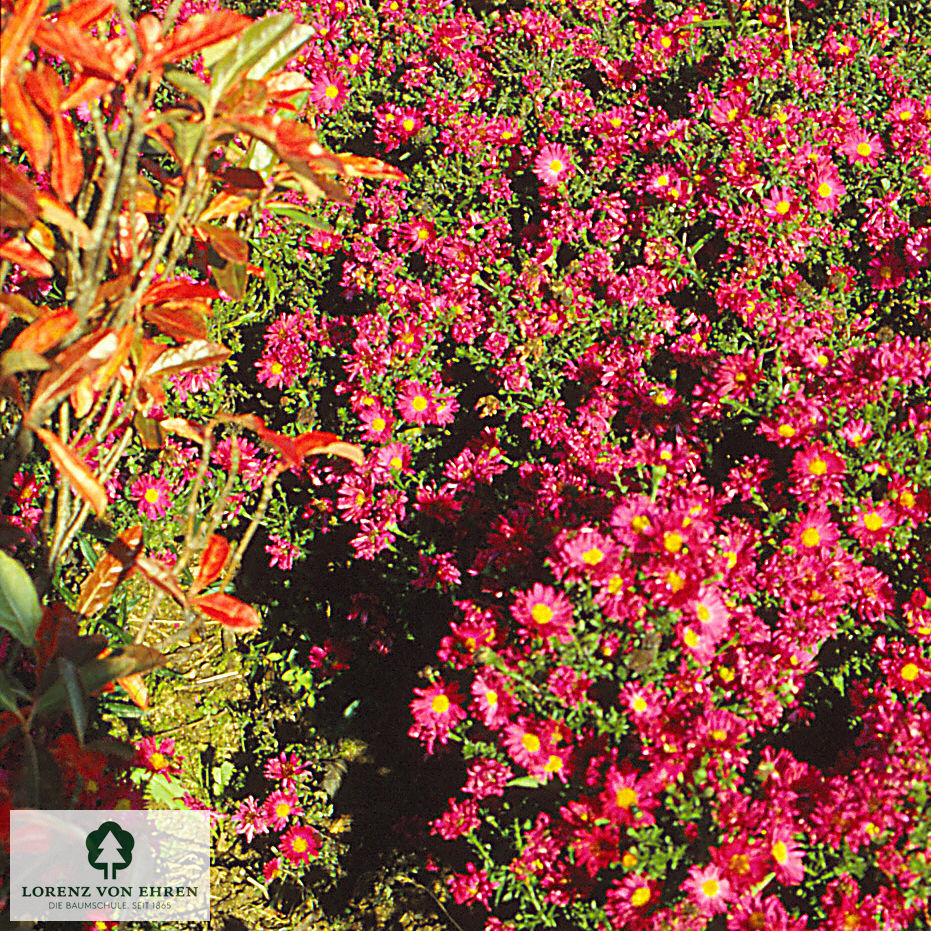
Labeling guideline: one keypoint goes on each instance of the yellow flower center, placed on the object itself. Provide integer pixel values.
(665, 42)
(491, 696)
(675, 581)
(158, 761)
(593, 556)
(905, 115)
(718, 734)
(817, 466)
(710, 887)
(152, 496)
(786, 430)
(726, 673)
(282, 810)
(824, 189)
(662, 181)
(332, 91)
(554, 764)
(395, 462)
(408, 124)
(872, 521)
(629, 860)
(625, 798)
(440, 704)
(780, 852)
(378, 424)
(556, 166)
(783, 207)
(672, 542)
(909, 672)
(810, 536)
(299, 844)
(420, 403)
(639, 704)
(689, 637)
(702, 612)
(277, 368)
(864, 149)
(640, 897)
(541, 613)
(531, 743)
(640, 523)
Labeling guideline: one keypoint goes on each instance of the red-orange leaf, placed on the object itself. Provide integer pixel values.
(161, 577)
(178, 290)
(134, 686)
(225, 241)
(49, 330)
(180, 323)
(225, 205)
(197, 354)
(87, 355)
(358, 166)
(26, 257)
(312, 444)
(18, 205)
(67, 161)
(230, 612)
(190, 431)
(115, 565)
(27, 126)
(18, 31)
(75, 471)
(212, 561)
(83, 13)
(201, 31)
(72, 43)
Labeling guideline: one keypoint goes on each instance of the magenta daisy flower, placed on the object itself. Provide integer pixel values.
(436, 712)
(280, 806)
(158, 756)
(545, 612)
(329, 93)
(285, 768)
(553, 164)
(300, 844)
(152, 496)
(708, 889)
(249, 819)
(862, 149)
(416, 403)
(886, 271)
(787, 858)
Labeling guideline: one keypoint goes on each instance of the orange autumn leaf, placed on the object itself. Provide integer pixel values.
(212, 561)
(228, 611)
(75, 471)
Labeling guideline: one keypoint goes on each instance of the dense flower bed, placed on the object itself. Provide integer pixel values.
(637, 354)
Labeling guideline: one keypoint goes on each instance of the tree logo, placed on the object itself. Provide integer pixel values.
(110, 848)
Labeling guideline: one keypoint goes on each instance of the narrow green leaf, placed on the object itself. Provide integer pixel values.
(189, 84)
(19, 604)
(98, 672)
(301, 216)
(9, 691)
(77, 700)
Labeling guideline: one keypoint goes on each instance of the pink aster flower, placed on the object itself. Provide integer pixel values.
(826, 191)
(708, 889)
(280, 806)
(781, 204)
(416, 403)
(285, 768)
(158, 756)
(282, 552)
(787, 858)
(862, 149)
(271, 869)
(249, 819)
(472, 886)
(872, 523)
(152, 496)
(545, 612)
(300, 844)
(886, 271)
(436, 712)
(329, 93)
(553, 164)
